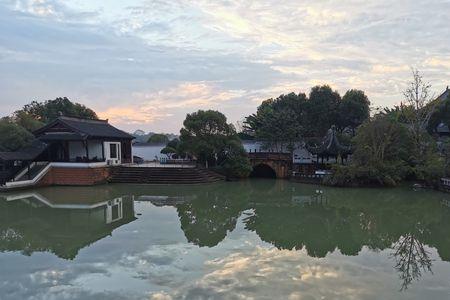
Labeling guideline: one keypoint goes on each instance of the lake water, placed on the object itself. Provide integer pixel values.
(256, 239)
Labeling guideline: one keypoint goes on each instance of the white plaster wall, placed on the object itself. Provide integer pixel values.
(303, 156)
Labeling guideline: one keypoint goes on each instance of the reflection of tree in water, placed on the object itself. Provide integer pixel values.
(411, 259)
(207, 219)
(348, 222)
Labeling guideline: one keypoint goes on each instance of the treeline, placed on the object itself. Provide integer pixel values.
(280, 123)
(400, 143)
(16, 130)
(389, 146)
(284, 121)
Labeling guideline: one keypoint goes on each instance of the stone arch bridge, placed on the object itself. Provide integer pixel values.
(266, 163)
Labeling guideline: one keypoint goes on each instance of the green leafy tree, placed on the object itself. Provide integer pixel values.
(175, 143)
(49, 110)
(354, 109)
(381, 155)
(158, 138)
(322, 110)
(207, 136)
(234, 161)
(13, 136)
(279, 122)
(169, 151)
(27, 121)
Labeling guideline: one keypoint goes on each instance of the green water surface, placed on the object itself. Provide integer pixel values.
(255, 239)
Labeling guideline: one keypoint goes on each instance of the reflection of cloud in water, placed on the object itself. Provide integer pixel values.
(57, 283)
(268, 273)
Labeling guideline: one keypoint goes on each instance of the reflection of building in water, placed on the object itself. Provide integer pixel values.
(32, 222)
(114, 210)
(317, 198)
(445, 202)
(165, 200)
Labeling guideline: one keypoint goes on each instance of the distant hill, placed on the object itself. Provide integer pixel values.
(142, 137)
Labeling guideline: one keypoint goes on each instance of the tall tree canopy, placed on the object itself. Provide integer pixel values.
(279, 122)
(13, 136)
(288, 119)
(322, 109)
(49, 110)
(16, 130)
(354, 109)
(208, 136)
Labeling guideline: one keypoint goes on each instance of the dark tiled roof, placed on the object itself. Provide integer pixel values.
(330, 145)
(444, 95)
(61, 137)
(89, 128)
(26, 153)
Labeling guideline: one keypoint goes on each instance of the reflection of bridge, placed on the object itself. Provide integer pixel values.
(266, 163)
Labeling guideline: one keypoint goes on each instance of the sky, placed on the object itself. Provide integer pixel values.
(145, 64)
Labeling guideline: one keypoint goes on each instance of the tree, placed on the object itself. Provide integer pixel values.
(279, 122)
(205, 134)
(418, 101)
(158, 138)
(208, 136)
(49, 110)
(168, 151)
(380, 157)
(354, 109)
(322, 109)
(380, 141)
(13, 136)
(27, 121)
(175, 143)
(235, 161)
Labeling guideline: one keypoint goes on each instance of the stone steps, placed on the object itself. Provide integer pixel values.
(163, 175)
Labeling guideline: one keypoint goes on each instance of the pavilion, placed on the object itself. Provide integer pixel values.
(330, 149)
(67, 151)
(84, 140)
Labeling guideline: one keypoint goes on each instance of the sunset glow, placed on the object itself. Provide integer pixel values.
(145, 64)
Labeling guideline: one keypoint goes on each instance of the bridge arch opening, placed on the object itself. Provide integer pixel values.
(263, 171)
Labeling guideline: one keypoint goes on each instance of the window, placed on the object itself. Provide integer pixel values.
(115, 212)
(113, 150)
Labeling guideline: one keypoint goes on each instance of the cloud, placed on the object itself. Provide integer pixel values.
(158, 105)
(112, 56)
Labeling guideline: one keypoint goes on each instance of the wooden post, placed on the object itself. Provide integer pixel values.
(103, 150)
(87, 149)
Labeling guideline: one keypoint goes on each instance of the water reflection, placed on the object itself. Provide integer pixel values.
(289, 216)
(411, 259)
(60, 223)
